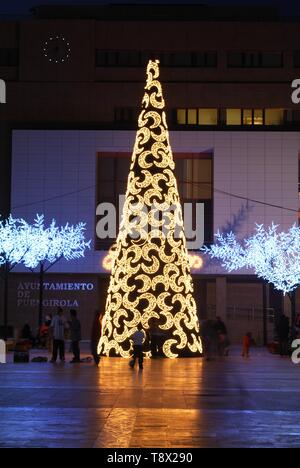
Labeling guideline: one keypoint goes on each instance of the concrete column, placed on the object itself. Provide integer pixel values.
(221, 297)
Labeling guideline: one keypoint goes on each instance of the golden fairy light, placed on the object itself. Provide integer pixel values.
(150, 267)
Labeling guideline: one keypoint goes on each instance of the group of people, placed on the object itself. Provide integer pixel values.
(54, 332)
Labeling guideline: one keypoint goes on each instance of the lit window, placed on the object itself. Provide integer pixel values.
(233, 116)
(208, 116)
(181, 116)
(192, 116)
(247, 117)
(258, 117)
(273, 116)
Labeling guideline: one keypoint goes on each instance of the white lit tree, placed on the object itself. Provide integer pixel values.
(14, 236)
(35, 245)
(274, 256)
(48, 245)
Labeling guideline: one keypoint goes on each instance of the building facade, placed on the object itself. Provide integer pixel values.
(74, 79)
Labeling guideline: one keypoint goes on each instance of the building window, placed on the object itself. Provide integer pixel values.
(233, 116)
(100, 58)
(205, 59)
(297, 58)
(181, 116)
(135, 58)
(197, 116)
(208, 117)
(181, 59)
(8, 57)
(296, 116)
(112, 173)
(235, 59)
(274, 116)
(192, 116)
(129, 59)
(247, 117)
(126, 115)
(251, 60)
(258, 117)
(254, 60)
(271, 60)
(195, 185)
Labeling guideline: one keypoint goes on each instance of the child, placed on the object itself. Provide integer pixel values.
(138, 339)
(246, 344)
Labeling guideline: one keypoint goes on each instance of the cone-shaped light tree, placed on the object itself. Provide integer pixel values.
(150, 279)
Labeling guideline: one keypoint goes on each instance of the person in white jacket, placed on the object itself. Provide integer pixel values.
(58, 327)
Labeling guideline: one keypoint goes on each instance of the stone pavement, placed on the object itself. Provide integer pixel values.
(172, 403)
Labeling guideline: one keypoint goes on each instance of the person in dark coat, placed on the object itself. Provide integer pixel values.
(75, 335)
(223, 342)
(209, 337)
(96, 335)
(220, 326)
(283, 331)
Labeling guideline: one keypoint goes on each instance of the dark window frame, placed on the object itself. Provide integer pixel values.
(174, 59)
(256, 59)
(9, 57)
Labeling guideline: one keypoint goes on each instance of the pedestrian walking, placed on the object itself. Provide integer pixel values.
(75, 335)
(138, 339)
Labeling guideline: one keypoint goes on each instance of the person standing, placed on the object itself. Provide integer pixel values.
(58, 326)
(138, 339)
(95, 336)
(209, 339)
(246, 344)
(223, 342)
(75, 335)
(283, 331)
(155, 338)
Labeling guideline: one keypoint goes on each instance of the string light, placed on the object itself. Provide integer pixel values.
(150, 271)
(55, 42)
(195, 260)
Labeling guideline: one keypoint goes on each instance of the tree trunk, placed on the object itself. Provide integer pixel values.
(292, 297)
(265, 314)
(6, 271)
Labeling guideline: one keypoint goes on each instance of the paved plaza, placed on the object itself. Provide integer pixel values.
(172, 403)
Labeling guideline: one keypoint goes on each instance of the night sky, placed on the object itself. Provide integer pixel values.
(22, 7)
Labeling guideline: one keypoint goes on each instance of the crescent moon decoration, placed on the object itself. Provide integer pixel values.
(150, 272)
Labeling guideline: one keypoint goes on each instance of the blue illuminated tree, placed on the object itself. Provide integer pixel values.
(48, 245)
(35, 245)
(14, 237)
(273, 256)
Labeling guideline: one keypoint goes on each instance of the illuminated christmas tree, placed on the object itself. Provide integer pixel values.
(150, 279)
